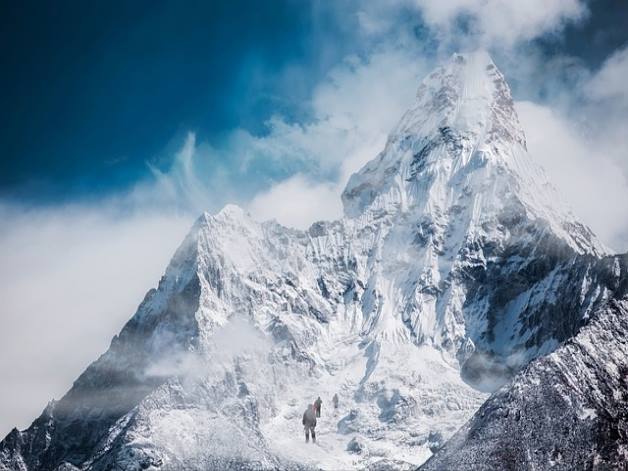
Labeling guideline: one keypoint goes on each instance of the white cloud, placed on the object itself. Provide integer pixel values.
(470, 23)
(352, 112)
(502, 22)
(353, 109)
(70, 277)
(297, 202)
(610, 82)
(606, 108)
(590, 180)
(576, 127)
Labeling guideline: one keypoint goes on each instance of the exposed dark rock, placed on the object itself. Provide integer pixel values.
(565, 411)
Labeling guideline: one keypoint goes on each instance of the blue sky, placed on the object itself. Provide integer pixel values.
(122, 121)
(92, 92)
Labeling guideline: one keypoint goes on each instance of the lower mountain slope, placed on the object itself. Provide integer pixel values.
(219, 362)
(565, 411)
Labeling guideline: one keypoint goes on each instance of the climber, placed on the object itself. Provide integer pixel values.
(309, 422)
(335, 400)
(317, 404)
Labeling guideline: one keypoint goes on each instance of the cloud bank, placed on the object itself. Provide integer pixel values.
(492, 22)
(70, 278)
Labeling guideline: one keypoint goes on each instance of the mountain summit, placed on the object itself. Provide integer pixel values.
(463, 111)
(461, 141)
(453, 268)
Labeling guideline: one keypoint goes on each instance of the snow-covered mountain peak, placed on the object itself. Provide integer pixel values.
(459, 156)
(463, 118)
(454, 266)
(467, 94)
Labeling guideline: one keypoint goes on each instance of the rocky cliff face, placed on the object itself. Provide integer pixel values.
(567, 410)
(453, 267)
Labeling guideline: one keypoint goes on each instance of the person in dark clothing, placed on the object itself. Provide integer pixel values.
(309, 422)
(335, 401)
(317, 404)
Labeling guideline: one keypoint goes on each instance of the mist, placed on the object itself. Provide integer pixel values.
(70, 278)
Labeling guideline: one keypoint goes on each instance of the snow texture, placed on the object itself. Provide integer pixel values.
(455, 266)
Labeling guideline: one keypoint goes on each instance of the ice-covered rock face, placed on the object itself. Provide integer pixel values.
(565, 411)
(454, 266)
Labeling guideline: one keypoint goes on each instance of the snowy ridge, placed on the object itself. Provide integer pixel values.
(452, 269)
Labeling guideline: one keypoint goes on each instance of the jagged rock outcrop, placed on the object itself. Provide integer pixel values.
(565, 411)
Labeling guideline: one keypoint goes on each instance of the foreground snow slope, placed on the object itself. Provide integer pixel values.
(454, 266)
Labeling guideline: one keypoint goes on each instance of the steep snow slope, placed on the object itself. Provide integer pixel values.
(242, 333)
(565, 411)
(454, 257)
